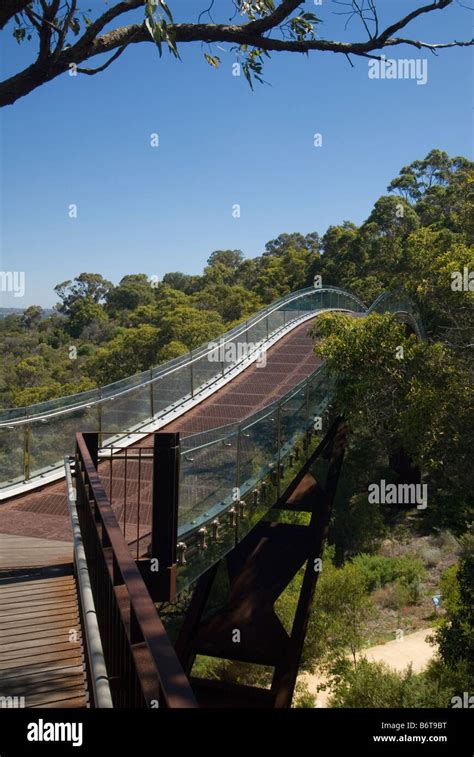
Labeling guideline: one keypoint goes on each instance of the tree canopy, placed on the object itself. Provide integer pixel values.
(413, 242)
(67, 37)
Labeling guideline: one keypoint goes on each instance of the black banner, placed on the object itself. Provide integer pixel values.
(92, 732)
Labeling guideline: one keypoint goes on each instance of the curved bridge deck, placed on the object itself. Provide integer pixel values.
(43, 513)
(41, 655)
(41, 652)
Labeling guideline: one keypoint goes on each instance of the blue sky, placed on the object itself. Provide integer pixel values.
(86, 141)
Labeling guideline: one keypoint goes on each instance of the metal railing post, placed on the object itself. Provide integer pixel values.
(221, 356)
(309, 426)
(191, 374)
(152, 401)
(26, 453)
(165, 502)
(237, 476)
(99, 414)
(92, 443)
(279, 440)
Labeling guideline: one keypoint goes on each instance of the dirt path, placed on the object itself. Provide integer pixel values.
(398, 654)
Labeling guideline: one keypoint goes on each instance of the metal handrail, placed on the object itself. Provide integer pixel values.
(201, 515)
(150, 413)
(297, 387)
(201, 440)
(250, 420)
(158, 669)
(192, 357)
(399, 296)
(102, 696)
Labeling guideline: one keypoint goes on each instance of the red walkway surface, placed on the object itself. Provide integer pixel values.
(43, 513)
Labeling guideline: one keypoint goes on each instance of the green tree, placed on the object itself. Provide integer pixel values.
(31, 371)
(284, 242)
(91, 285)
(339, 619)
(171, 350)
(441, 190)
(382, 237)
(190, 326)
(455, 636)
(415, 180)
(233, 303)
(180, 320)
(184, 282)
(341, 258)
(82, 312)
(132, 291)
(132, 351)
(419, 404)
(227, 262)
(391, 217)
(431, 257)
(374, 684)
(32, 316)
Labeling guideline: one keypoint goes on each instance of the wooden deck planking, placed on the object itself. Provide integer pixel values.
(38, 611)
(27, 551)
(45, 622)
(57, 670)
(41, 668)
(47, 630)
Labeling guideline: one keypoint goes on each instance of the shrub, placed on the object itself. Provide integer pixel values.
(379, 570)
(414, 589)
(448, 542)
(409, 569)
(342, 609)
(374, 684)
(85, 350)
(431, 556)
(302, 697)
(396, 596)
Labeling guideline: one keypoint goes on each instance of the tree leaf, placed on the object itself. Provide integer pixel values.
(166, 9)
(213, 60)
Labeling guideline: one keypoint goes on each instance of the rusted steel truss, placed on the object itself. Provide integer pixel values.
(246, 628)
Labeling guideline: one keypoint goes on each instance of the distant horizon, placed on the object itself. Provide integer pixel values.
(199, 268)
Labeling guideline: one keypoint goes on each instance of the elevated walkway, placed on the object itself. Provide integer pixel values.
(237, 439)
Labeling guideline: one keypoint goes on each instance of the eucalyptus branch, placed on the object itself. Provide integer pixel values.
(252, 37)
